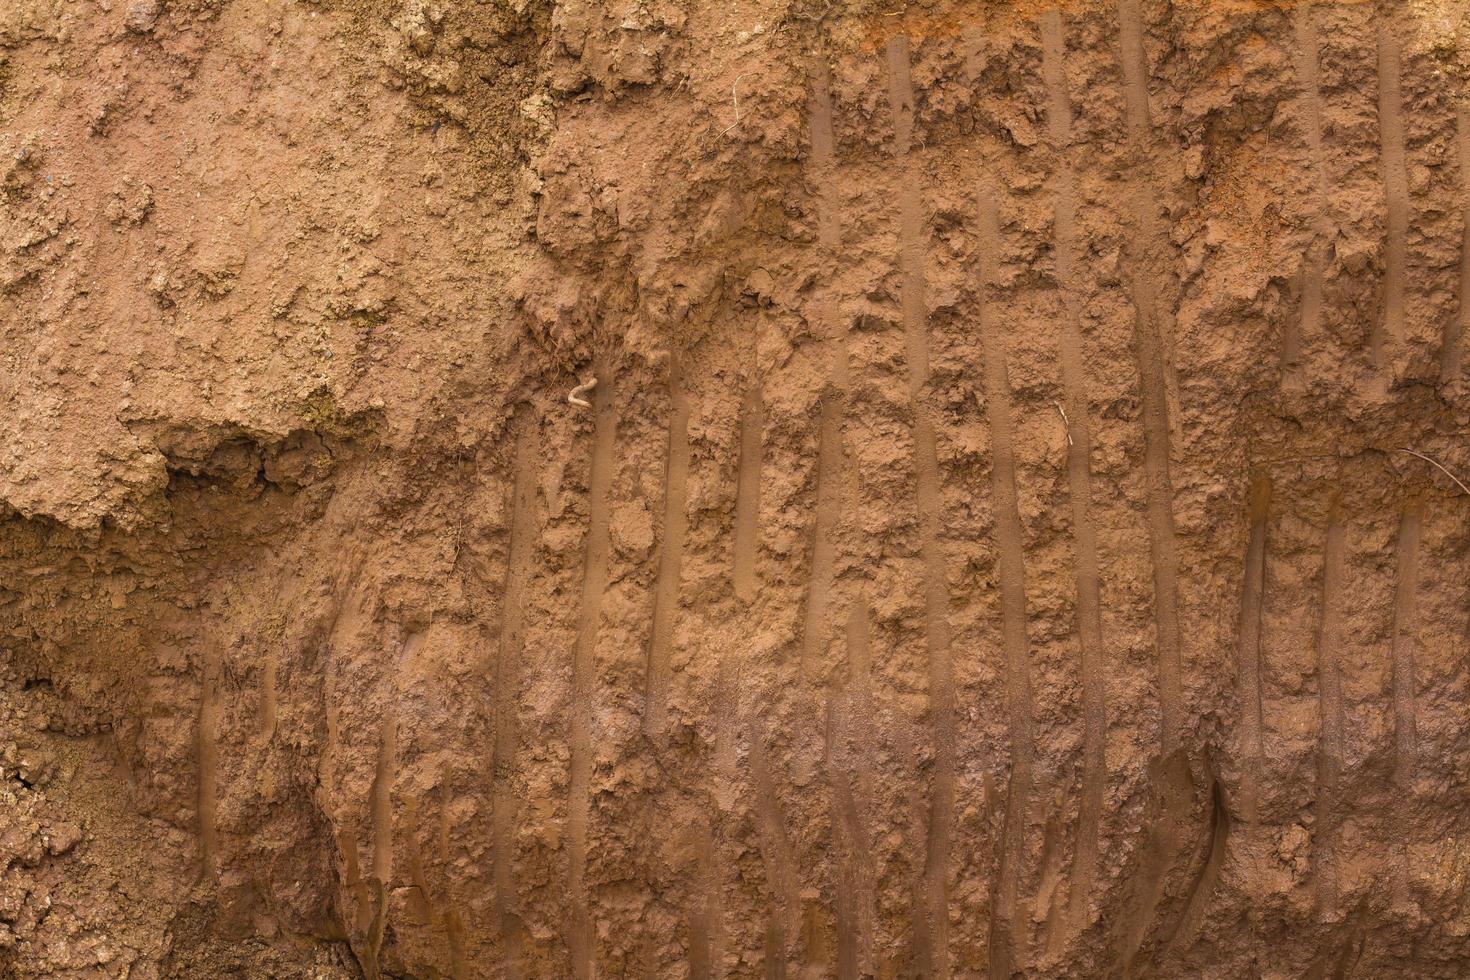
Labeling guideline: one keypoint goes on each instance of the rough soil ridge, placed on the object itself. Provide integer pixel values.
(1018, 528)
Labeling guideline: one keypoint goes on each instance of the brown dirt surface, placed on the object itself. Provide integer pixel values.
(1019, 526)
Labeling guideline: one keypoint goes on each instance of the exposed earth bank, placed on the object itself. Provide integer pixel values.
(1009, 518)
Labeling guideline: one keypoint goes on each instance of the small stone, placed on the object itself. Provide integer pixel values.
(63, 837)
(141, 16)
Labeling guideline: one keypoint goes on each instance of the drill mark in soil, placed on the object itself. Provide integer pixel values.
(705, 939)
(385, 773)
(726, 751)
(911, 217)
(817, 629)
(775, 849)
(1458, 326)
(1173, 788)
(594, 584)
(863, 875)
(824, 154)
(941, 697)
(1405, 684)
(912, 798)
(932, 934)
(505, 819)
(381, 802)
(1248, 666)
(671, 556)
(1217, 840)
(860, 662)
(844, 835)
(379, 928)
(354, 882)
(861, 718)
(421, 902)
(454, 908)
(853, 884)
(207, 752)
(1147, 243)
(815, 632)
(269, 696)
(748, 491)
(1048, 897)
(704, 919)
(837, 491)
(727, 713)
(1333, 722)
(1008, 923)
(1146, 246)
(1079, 483)
(1149, 350)
(1314, 263)
(382, 797)
(1135, 68)
(1389, 326)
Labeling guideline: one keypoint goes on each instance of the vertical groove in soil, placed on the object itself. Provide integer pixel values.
(584, 664)
(1330, 698)
(1079, 481)
(1389, 327)
(671, 556)
(1405, 684)
(510, 649)
(936, 600)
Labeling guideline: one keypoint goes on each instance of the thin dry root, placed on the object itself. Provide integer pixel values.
(1066, 422)
(576, 396)
(735, 95)
(1441, 467)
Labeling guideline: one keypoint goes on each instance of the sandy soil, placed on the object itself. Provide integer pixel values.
(1017, 528)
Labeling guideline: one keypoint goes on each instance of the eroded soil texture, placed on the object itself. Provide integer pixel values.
(1014, 524)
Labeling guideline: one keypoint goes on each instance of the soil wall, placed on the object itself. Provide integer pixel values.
(1017, 527)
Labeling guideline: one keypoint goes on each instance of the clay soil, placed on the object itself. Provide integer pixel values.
(1017, 524)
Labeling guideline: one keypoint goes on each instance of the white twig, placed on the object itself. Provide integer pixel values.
(576, 396)
(1066, 423)
(1440, 466)
(735, 94)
